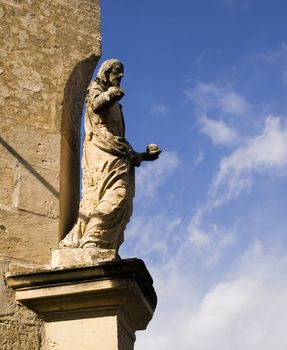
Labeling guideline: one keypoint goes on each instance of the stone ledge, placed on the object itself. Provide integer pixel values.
(124, 285)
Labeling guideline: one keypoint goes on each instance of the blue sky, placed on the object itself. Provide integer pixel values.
(207, 80)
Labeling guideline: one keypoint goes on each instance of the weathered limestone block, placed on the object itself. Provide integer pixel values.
(48, 52)
(75, 257)
(20, 328)
(19, 336)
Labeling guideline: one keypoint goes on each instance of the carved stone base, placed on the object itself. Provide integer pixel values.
(96, 307)
(65, 258)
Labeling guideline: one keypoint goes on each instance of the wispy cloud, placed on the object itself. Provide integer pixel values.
(218, 131)
(274, 55)
(224, 104)
(236, 174)
(159, 108)
(209, 97)
(261, 153)
(151, 176)
(198, 159)
(198, 237)
(245, 309)
(244, 3)
(211, 242)
(200, 59)
(278, 56)
(154, 237)
(242, 309)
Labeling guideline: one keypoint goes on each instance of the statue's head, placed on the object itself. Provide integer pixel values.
(111, 72)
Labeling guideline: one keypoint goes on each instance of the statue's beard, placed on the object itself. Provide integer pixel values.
(115, 82)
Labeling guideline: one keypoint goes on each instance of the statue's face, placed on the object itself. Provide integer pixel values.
(116, 75)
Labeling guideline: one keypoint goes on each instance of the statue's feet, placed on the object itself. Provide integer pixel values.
(67, 243)
(72, 238)
(89, 245)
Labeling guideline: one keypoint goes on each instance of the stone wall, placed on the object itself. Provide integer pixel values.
(48, 52)
(20, 329)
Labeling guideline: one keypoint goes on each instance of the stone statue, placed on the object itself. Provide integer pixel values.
(108, 166)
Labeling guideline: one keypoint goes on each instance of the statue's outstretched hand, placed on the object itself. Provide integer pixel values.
(152, 152)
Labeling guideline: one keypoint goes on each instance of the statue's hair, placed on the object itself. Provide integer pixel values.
(106, 67)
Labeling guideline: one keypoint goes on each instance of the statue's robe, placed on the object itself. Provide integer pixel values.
(108, 182)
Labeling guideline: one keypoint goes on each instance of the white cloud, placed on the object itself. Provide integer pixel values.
(222, 102)
(219, 309)
(236, 174)
(200, 59)
(153, 237)
(284, 73)
(199, 238)
(245, 4)
(218, 131)
(150, 176)
(211, 243)
(198, 159)
(277, 57)
(242, 308)
(261, 153)
(248, 311)
(245, 309)
(159, 109)
(208, 97)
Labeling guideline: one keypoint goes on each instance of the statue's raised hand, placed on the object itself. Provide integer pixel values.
(115, 93)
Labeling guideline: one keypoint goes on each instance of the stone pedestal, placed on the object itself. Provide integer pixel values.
(62, 258)
(96, 307)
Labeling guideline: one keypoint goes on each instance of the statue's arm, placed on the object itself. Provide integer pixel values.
(103, 99)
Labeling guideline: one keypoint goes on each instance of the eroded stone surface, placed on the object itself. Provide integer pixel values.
(65, 258)
(48, 52)
(20, 328)
(19, 336)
